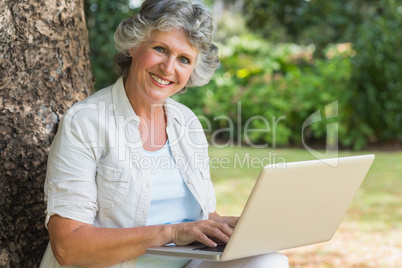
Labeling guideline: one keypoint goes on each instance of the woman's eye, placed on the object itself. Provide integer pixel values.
(160, 49)
(184, 60)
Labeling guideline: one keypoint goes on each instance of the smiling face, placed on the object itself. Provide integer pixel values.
(161, 66)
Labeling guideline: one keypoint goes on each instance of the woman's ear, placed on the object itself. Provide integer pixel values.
(131, 51)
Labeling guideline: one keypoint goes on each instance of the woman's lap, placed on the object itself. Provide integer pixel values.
(271, 260)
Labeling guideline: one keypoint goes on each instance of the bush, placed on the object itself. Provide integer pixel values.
(376, 76)
(278, 88)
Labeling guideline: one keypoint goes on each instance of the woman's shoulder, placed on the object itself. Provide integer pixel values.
(182, 114)
(93, 103)
(177, 107)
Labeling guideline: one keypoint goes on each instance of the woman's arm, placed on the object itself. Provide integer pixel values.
(77, 243)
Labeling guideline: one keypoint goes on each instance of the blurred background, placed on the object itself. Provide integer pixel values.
(287, 59)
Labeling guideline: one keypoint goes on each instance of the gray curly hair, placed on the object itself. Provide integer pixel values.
(164, 15)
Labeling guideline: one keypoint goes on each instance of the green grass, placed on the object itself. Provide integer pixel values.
(376, 206)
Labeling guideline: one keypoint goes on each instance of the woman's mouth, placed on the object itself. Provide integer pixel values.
(160, 80)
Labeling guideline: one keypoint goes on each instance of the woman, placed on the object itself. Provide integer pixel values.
(128, 168)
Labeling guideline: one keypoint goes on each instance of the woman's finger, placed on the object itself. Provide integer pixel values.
(206, 232)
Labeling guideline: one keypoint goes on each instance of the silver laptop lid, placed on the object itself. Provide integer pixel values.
(296, 204)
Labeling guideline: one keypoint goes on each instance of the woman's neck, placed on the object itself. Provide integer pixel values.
(153, 120)
(142, 106)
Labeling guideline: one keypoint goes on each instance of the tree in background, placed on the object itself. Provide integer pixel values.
(44, 69)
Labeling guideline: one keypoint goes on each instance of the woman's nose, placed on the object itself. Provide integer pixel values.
(167, 65)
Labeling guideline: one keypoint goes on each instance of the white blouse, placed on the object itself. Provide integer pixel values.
(96, 172)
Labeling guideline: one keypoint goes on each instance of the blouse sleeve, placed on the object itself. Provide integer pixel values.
(70, 186)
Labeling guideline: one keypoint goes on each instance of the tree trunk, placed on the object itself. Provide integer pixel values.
(44, 69)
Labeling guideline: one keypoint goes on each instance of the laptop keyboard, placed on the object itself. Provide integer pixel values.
(218, 248)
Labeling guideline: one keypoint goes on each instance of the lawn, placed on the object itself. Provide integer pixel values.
(370, 234)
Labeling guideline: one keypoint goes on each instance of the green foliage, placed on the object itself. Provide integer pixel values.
(373, 28)
(314, 87)
(273, 88)
(307, 22)
(377, 74)
(353, 58)
(103, 17)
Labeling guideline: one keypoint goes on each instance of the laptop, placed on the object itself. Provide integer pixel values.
(291, 205)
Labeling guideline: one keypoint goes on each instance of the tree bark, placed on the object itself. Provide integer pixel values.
(44, 69)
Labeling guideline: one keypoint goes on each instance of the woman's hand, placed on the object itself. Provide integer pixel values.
(208, 232)
(230, 221)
